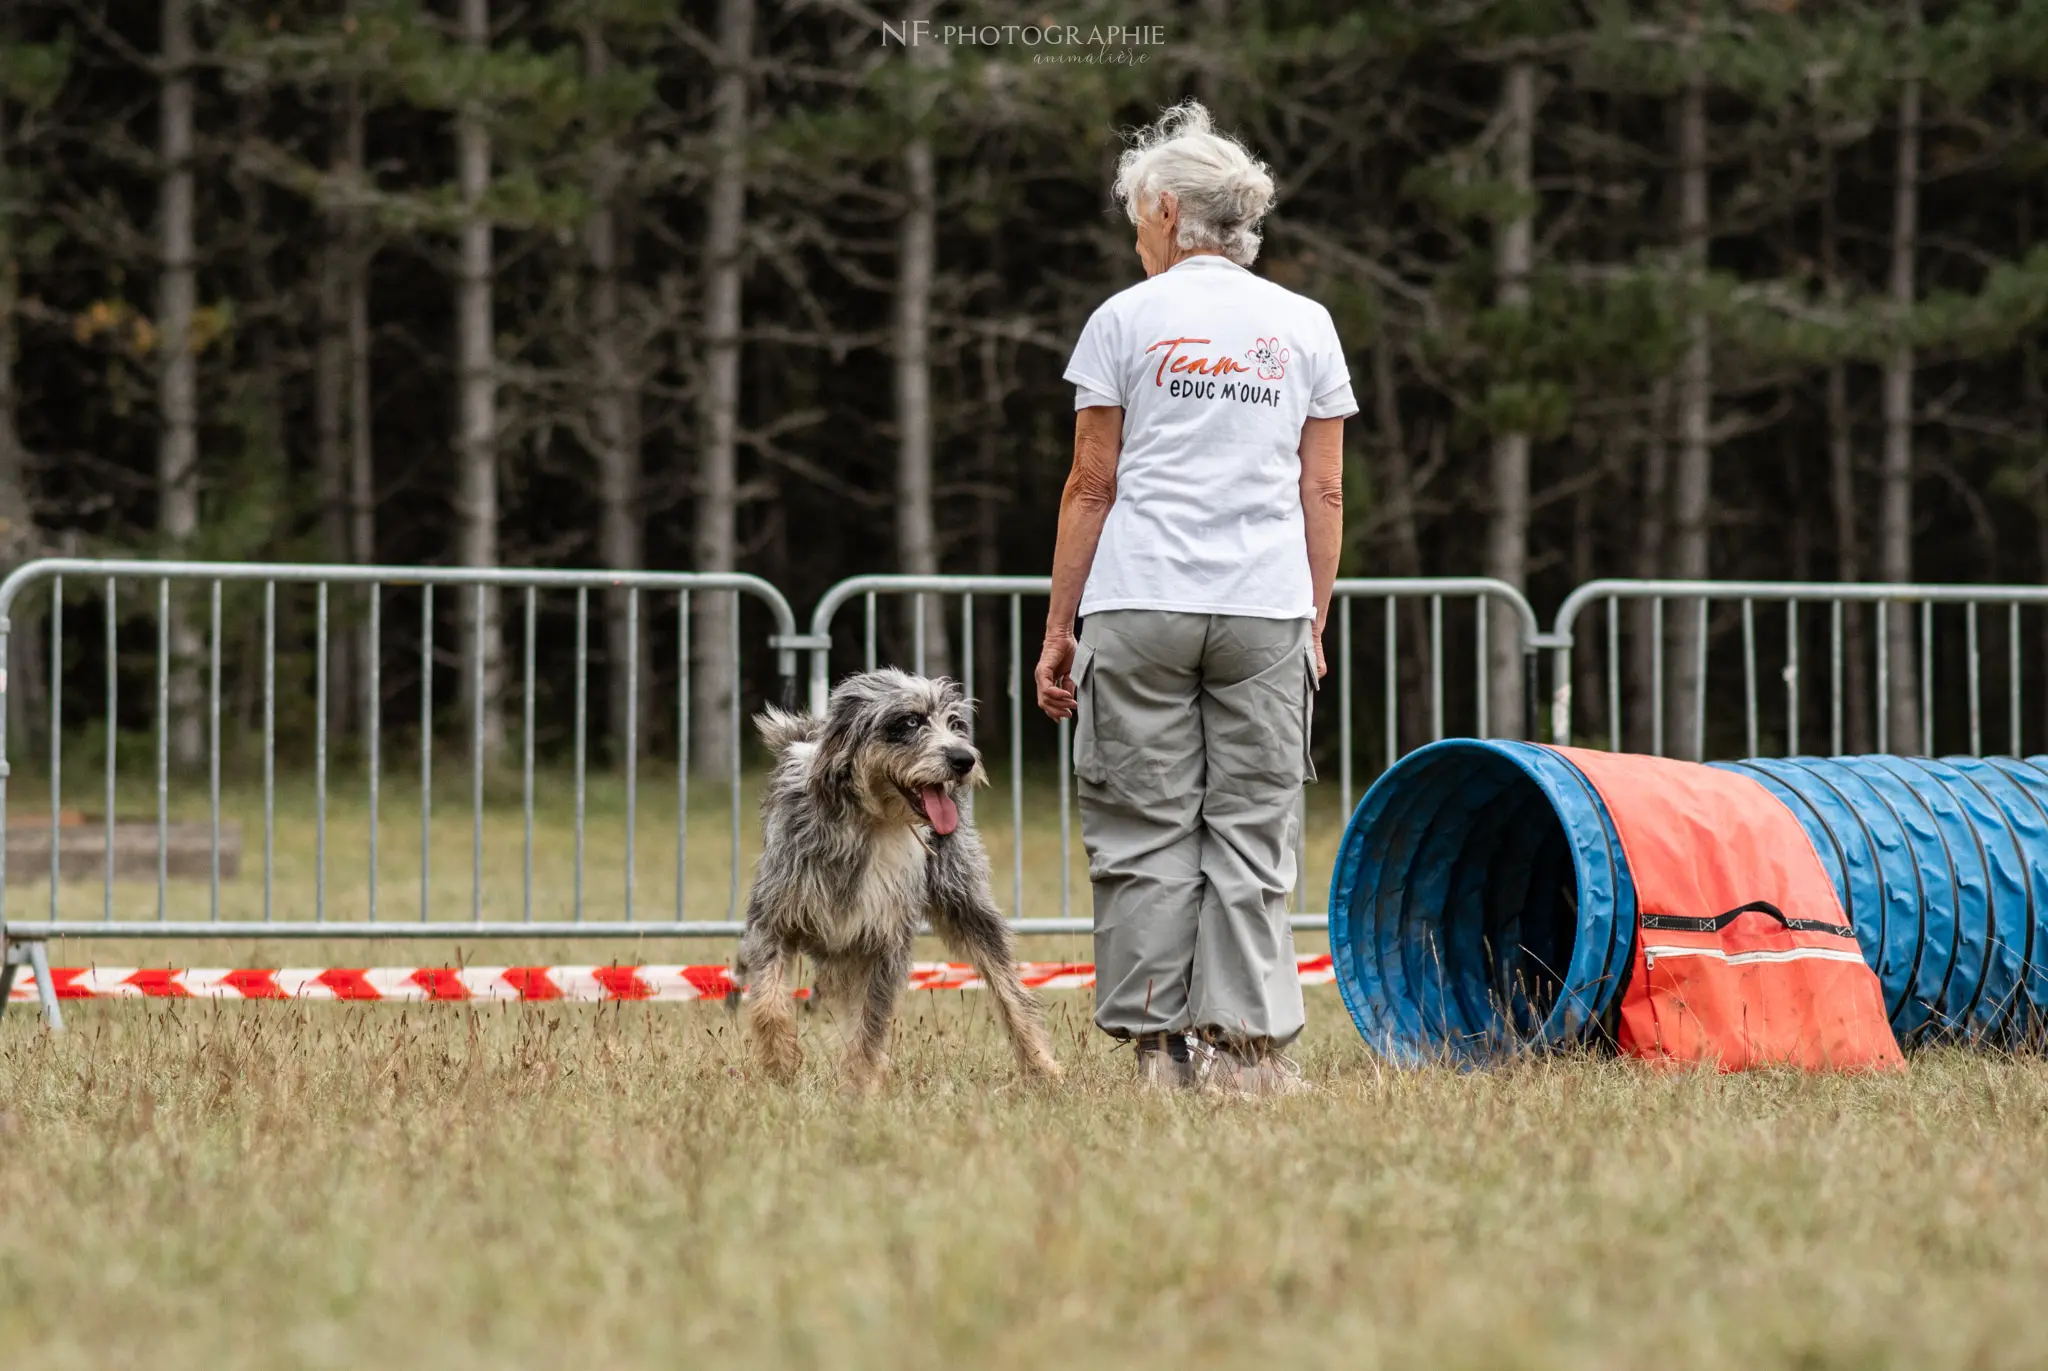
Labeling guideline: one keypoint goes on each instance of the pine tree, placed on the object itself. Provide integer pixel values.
(31, 77)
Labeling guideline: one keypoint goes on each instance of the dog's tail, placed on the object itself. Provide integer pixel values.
(779, 729)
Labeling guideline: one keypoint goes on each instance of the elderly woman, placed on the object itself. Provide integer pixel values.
(1198, 540)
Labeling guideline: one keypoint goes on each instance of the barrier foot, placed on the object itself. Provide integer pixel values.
(35, 954)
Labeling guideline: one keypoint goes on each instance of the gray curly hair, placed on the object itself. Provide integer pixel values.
(1222, 190)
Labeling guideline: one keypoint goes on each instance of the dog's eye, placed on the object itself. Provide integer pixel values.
(906, 728)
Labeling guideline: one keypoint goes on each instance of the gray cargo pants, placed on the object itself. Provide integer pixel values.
(1190, 749)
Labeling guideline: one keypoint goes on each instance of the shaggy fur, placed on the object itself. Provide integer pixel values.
(857, 857)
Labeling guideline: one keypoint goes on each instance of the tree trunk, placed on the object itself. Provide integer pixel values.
(1589, 714)
(177, 463)
(476, 442)
(1646, 700)
(988, 542)
(1842, 489)
(1507, 533)
(1694, 477)
(1217, 48)
(1405, 538)
(1895, 513)
(362, 470)
(330, 427)
(18, 535)
(917, 543)
(714, 653)
(620, 535)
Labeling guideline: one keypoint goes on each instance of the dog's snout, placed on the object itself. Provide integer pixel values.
(961, 759)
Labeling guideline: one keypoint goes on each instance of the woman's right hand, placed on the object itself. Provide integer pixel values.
(1055, 687)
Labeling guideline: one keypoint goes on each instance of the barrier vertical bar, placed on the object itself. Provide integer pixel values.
(1699, 704)
(1344, 698)
(113, 745)
(582, 672)
(1436, 667)
(1485, 676)
(1393, 687)
(269, 744)
(732, 894)
(476, 757)
(1792, 678)
(526, 760)
(632, 740)
(320, 753)
(1976, 705)
(1613, 674)
(212, 751)
(1748, 678)
(682, 746)
(1066, 822)
(967, 660)
(2012, 652)
(426, 745)
(1016, 756)
(1657, 676)
(1884, 676)
(1927, 678)
(375, 704)
(1835, 678)
(163, 746)
(868, 640)
(56, 732)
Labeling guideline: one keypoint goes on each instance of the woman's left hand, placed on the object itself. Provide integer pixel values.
(1055, 687)
(1322, 667)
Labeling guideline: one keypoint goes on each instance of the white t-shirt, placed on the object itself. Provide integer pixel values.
(1216, 369)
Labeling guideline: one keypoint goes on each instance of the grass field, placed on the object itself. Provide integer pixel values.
(208, 1185)
(344, 1186)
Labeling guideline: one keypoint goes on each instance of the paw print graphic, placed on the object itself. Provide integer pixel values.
(1269, 357)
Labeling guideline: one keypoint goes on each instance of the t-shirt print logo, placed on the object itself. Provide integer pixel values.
(1270, 358)
(1175, 362)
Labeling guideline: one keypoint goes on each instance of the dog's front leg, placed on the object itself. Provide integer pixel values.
(963, 914)
(767, 1011)
(867, 1045)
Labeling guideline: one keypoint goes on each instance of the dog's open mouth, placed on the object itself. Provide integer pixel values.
(937, 807)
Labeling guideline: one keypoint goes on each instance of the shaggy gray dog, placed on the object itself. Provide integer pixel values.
(865, 842)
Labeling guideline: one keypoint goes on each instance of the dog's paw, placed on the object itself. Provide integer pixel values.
(1041, 1066)
(864, 1077)
(777, 1054)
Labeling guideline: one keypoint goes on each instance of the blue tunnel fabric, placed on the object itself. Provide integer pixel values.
(1481, 899)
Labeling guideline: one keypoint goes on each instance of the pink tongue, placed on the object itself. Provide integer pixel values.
(939, 808)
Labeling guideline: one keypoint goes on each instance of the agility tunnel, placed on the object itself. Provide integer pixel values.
(1482, 899)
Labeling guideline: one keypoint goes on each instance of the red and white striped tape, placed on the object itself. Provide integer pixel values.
(578, 984)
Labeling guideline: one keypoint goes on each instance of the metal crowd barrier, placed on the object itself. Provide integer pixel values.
(199, 616)
(1819, 632)
(1431, 600)
(1392, 647)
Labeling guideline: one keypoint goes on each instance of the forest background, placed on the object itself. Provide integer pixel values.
(1693, 289)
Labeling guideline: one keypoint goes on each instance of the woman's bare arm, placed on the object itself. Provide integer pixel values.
(1084, 507)
(1322, 508)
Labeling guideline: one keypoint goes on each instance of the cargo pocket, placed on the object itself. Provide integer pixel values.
(1087, 752)
(1310, 685)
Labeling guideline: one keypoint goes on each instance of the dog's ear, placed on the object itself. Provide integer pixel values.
(779, 729)
(838, 737)
(953, 702)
